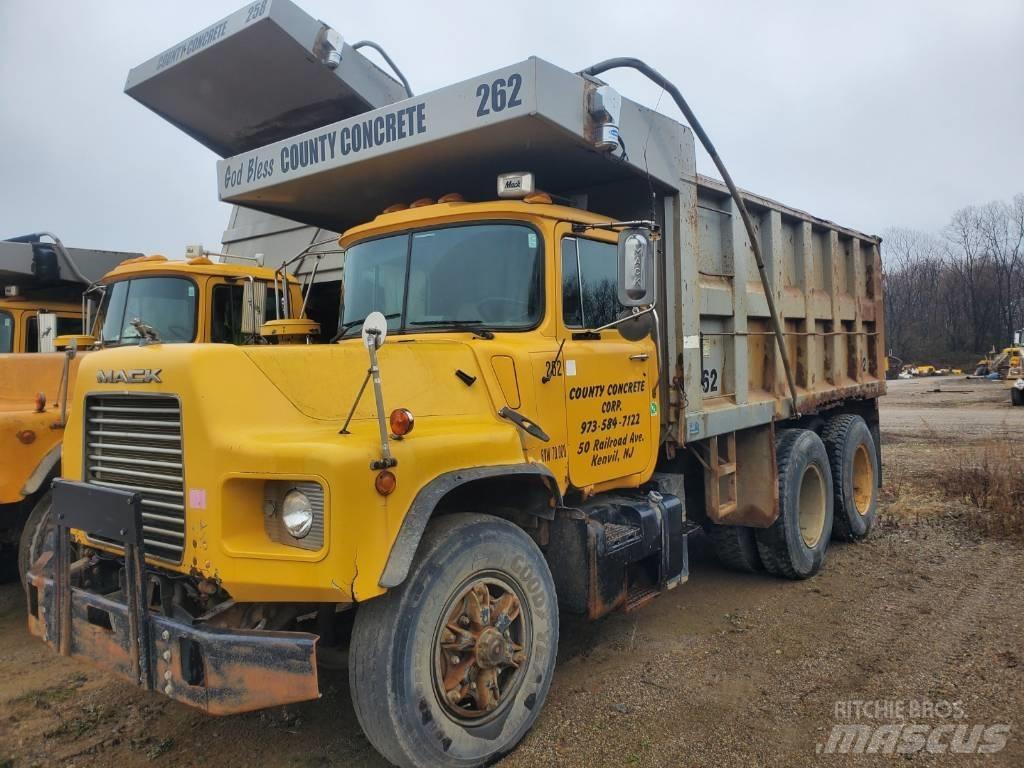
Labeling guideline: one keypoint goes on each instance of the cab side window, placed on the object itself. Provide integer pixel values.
(589, 287)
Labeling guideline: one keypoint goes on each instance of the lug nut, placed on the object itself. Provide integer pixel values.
(167, 655)
(169, 689)
(165, 635)
(455, 659)
(464, 620)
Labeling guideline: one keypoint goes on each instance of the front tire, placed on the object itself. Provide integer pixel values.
(1016, 396)
(452, 667)
(794, 545)
(33, 535)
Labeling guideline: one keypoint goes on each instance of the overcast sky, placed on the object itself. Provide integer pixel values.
(872, 114)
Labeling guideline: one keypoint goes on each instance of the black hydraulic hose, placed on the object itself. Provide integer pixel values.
(659, 79)
(384, 55)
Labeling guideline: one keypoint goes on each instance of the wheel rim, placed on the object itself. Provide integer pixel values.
(863, 480)
(812, 505)
(481, 648)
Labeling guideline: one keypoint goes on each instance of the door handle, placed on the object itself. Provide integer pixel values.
(640, 356)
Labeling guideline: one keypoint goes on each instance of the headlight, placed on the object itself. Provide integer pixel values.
(297, 513)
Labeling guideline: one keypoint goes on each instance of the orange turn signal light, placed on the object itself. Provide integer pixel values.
(40, 402)
(385, 482)
(402, 421)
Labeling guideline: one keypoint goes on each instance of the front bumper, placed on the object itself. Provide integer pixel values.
(221, 671)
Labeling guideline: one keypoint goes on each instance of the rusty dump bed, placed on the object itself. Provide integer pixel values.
(826, 282)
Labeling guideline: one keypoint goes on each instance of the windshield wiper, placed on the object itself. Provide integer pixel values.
(346, 327)
(473, 325)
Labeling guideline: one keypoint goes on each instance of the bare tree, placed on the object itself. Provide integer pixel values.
(952, 297)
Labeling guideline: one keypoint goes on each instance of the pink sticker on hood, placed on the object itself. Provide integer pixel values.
(197, 498)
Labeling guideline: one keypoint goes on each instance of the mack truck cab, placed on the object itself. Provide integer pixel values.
(142, 301)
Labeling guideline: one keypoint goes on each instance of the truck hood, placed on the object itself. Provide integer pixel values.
(322, 381)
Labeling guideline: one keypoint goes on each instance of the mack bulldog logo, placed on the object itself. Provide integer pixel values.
(131, 376)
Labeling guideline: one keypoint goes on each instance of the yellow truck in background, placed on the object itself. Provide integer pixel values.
(1013, 377)
(41, 285)
(142, 300)
(537, 393)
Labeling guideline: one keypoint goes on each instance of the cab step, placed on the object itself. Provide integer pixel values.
(638, 596)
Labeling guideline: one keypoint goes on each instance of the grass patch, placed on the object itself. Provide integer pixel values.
(162, 747)
(44, 698)
(990, 482)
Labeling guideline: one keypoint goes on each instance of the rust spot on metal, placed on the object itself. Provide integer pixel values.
(814, 402)
(480, 650)
(220, 671)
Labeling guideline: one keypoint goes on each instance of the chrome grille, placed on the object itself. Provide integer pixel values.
(133, 442)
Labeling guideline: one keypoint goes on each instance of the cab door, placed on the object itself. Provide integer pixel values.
(610, 383)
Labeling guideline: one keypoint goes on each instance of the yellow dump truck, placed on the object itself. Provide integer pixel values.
(560, 354)
(141, 300)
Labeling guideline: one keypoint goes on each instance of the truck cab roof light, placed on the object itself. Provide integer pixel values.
(395, 208)
(515, 185)
(540, 198)
(422, 202)
(451, 197)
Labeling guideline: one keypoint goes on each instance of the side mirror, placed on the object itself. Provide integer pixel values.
(46, 324)
(636, 283)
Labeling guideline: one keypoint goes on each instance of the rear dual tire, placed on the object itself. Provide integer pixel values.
(735, 547)
(794, 545)
(853, 459)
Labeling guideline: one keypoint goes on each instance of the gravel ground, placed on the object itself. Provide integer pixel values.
(727, 670)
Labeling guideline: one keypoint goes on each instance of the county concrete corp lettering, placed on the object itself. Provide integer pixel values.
(193, 44)
(378, 131)
(600, 390)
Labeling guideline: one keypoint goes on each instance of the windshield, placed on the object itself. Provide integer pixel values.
(6, 332)
(486, 275)
(166, 304)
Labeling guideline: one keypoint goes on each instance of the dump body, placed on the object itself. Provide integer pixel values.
(826, 282)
